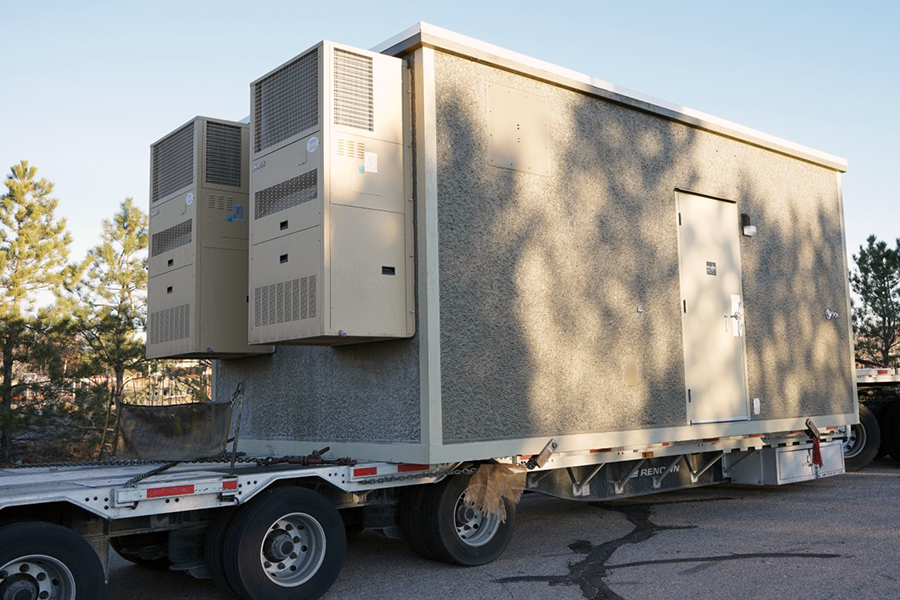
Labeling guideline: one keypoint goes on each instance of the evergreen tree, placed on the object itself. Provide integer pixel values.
(877, 283)
(111, 296)
(33, 250)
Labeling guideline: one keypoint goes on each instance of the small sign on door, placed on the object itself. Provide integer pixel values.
(710, 268)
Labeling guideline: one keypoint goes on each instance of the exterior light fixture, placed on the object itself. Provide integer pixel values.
(748, 225)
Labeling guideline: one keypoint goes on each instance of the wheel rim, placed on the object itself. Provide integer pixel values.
(474, 527)
(36, 577)
(293, 549)
(856, 441)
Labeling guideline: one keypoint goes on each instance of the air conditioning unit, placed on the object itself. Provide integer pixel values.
(331, 258)
(197, 288)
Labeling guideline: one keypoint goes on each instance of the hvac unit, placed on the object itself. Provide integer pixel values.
(197, 290)
(330, 229)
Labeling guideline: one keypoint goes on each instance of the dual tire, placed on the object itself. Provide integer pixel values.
(438, 525)
(287, 544)
(863, 441)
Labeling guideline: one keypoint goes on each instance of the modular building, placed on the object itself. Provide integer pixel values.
(527, 254)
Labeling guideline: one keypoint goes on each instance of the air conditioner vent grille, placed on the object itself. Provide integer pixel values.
(173, 163)
(354, 103)
(284, 195)
(223, 154)
(285, 301)
(220, 202)
(286, 102)
(351, 148)
(169, 324)
(171, 238)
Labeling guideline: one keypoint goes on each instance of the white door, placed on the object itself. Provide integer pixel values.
(712, 310)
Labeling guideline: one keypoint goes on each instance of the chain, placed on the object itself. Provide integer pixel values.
(422, 475)
(135, 462)
(137, 478)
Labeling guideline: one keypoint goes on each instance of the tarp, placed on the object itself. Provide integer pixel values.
(175, 432)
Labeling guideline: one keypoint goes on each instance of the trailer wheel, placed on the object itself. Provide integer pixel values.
(214, 550)
(862, 441)
(288, 544)
(149, 550)
(46, 561)
(459, 534)
(412, 519)
(891, 439)
(886, 426)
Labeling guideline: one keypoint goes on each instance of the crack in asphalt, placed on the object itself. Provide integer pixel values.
(590, 573)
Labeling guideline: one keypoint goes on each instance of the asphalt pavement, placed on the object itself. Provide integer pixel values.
(832, 538)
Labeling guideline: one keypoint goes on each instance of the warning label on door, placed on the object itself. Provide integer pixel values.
(710, 268)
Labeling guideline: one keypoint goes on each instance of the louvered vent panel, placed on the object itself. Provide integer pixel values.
(220, 202)
(354, 103)
(173, 163)
(283, 302)
(171, 238)
(351, 149)
(281, 196)
(170, 324)
(286, 102)
(223, 154)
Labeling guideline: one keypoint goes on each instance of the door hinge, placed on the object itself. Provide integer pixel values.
(689, 394)
(684, 305)
(679, 218)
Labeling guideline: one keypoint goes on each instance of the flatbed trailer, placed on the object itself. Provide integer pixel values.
(267, 528)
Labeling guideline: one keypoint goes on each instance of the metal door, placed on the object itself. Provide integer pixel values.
(712, 310)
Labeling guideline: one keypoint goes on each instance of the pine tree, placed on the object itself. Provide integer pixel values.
(877, 283)
(34, 246)
(111, 295)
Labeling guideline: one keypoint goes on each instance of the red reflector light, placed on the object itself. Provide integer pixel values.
(710, 439)
(666, 443)
(882, 371)
(830, 428)
(365, 471)
(757, 435)
(230, 485)
(408, 468)
(601, 450)
(174, 490)
(647, 454)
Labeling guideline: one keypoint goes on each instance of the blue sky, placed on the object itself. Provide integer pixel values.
(88, 86)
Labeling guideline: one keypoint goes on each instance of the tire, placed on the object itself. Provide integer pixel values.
(892, 430)
(150, 550)
(863, 442)
(38, 558)
(265, 541)
(459, 535)
(214, 550)
(885, 419)
(412, 519)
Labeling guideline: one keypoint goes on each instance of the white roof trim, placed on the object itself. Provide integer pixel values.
(605, 89)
